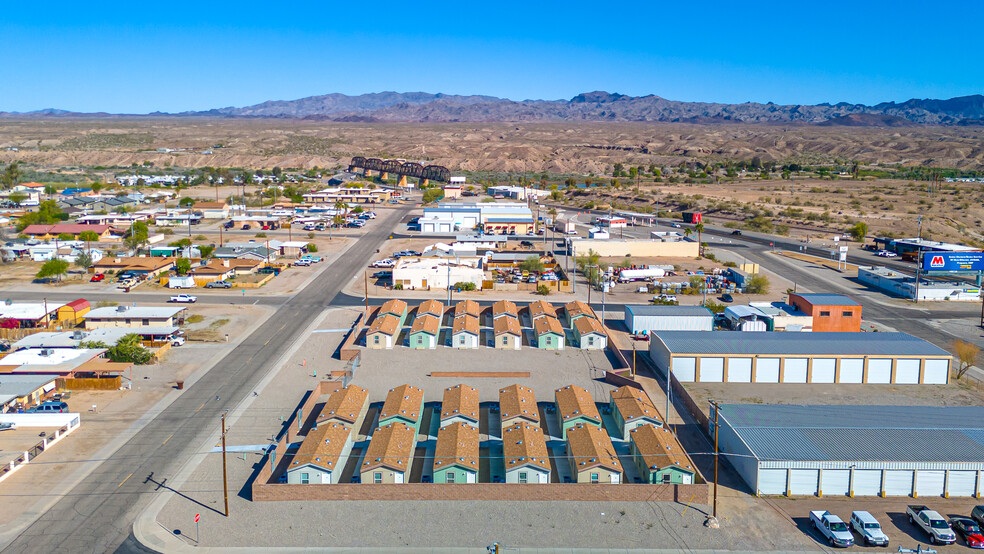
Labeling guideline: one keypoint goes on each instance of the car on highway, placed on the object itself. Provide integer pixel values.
(969, 530)
(97, 277)
(228, 225)
(219, 285)
(675, 225)
(886, 254)
(183, 299)
(736, 232)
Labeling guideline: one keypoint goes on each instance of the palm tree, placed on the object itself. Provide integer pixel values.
(339, 205)
(88, 236)
(700, 230)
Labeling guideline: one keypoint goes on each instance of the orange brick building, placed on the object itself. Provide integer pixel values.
(830, 312)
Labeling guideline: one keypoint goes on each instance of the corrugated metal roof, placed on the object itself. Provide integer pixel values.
(827, 299)
(850, 344)
(860, 433)
(679, 311)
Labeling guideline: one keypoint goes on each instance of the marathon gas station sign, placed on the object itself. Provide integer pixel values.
(953, 261)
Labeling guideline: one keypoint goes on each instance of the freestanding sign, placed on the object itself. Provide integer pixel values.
(953, 261)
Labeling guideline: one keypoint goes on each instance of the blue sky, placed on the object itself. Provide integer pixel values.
(137, 57)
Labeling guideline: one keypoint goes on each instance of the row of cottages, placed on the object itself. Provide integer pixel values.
(460, 405)
(631, 408)
(575, 407)
(325, 446)
(549, 333)
(150, 267)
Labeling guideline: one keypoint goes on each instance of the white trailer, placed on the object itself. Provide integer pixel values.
(565, 226)
(628, 275)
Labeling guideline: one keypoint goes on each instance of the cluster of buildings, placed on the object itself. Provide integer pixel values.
(469, 325)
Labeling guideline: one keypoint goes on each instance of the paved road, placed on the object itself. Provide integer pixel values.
(97, 515)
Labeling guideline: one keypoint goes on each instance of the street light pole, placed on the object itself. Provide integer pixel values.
(225, 475)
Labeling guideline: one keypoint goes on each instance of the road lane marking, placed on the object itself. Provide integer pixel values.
(124, 480)
(171, 435)
(202, 406)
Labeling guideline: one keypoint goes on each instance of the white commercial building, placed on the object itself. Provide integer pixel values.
(456, 217)
(903, 285)
(424, 273)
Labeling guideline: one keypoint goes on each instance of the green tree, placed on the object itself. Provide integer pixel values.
(531, 264)
(129, 349)
(139, 234)
(89, 236)
(206, 251)
(432, 195)
(65, 236)
(182, 266)
(181, 243)
(96, 187)
(757, 284)
(53, 268)
(84, 260)
(17, 197)
(10, 176)
(47, 214)
(543, 290)
(186, 202)
(700, 230)
(859, 231)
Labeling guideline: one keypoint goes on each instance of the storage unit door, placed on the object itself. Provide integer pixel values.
(767, 370)
(936, 372)
(907, 371)
(879, 371)
(867, 482)
(739, 370)
(823, 370)
(851, 370)
(962, 483)
(795, 370)
(684, 369)
(772, 481)
(803, 482)
(930, 482)
(711, 370)
(835, 482)
(898, 482)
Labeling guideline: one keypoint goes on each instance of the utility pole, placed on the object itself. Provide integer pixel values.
(366, 314)
(225, 475)
(918, 257)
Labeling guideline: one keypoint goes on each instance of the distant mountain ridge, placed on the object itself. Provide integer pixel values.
(590, 106)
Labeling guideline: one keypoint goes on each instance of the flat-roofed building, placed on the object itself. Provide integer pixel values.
(592, 455)
(632, 407)
(460, 405)
(382, 332)
(659, 457)
(132, 316)
(456, 454)
(389, 455)
(517, 404)
(575, 406)
(508, 335)
(424, 332)
(346, 405)
(465, 332)
(831, 312)
(524, 450)
(317, 459)
(404, 403)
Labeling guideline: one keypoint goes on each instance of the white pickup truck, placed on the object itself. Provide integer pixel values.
(184, 299)
(932, 523)
(865, 524)
(833, 528)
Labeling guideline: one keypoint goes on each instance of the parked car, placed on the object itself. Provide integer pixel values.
(675, 225)
(665, 298)
(643, 336)
(886, 254)
(932, 523)
(313, 259)
(865, 524)
(97, 277)
(228, 225)
(178, 341)
(245, 227)
(49, 408)
(382, 275)
(969, 530)
(977, 514)
(309, 227)
(833, 528)
(526, 243)
(727, 298)
(383, 263)
(184, 299)
(9, 426)
(302, 262)
(219, 285)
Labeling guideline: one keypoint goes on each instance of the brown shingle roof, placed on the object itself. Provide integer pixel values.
(394, 306)
(322, 446)
(524, 444)
(577, 307)
(659, 448)
(457, 444)
(633, 403)
(209, 205)
(588, 325)
(467, 307)
(403, 401)
(546, 325)
(465, 323)
(504, 307)
(590, 447)
(542, 308)
(427, 324)
(387, 324)
(507, 325)
(345, 405)
(573, 401)
(391, 447)
(432, 307)
(518, 401)
(460, 400)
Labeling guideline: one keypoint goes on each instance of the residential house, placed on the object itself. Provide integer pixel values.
(575, 407)
(631, 407)
(541, 308)
(467, 307)
(456, 454)
(396, 308)
(588, 334)
(424, 332)
(465, 332)
(151, 267)
(47, 232)
(383, 331)
(293, 248)
(549, 334)
(23, 391)
(404, 404)
(504, 308)
(389, 455)
(508, 334)
(212, 210)
(432, 307)
(318, 457)
(577, 309)
(524, 450)
(517, 404)
(135, 316)
(592, 455)
(30, 315)
(220, 270)
(345, 405)
(831, 312)
(460, 405)
(659, 456)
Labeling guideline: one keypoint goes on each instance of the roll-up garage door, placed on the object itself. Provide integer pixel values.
(907, 371)
(879, 371)
(684, 369)
(962, 483)
(867, 482)
(936, 372)
(930, 482)
(739, 370)
(823, 370)
(794, 370)
(767, 370)
(772, 481)
(835, 482)
(898, 482)
(852, 370)
(711, 370)
(803, 482)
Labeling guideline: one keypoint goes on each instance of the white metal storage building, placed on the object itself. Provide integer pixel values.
(851, 450)
(640, 318)
(733, 357)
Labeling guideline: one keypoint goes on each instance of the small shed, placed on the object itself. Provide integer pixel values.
(74, 311)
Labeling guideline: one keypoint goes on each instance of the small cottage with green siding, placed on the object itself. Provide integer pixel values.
(549, 333)
(659, 457)
(575, 406)
(404, 404)
(456, 454)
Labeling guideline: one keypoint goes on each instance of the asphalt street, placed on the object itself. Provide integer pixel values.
(97, 515)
